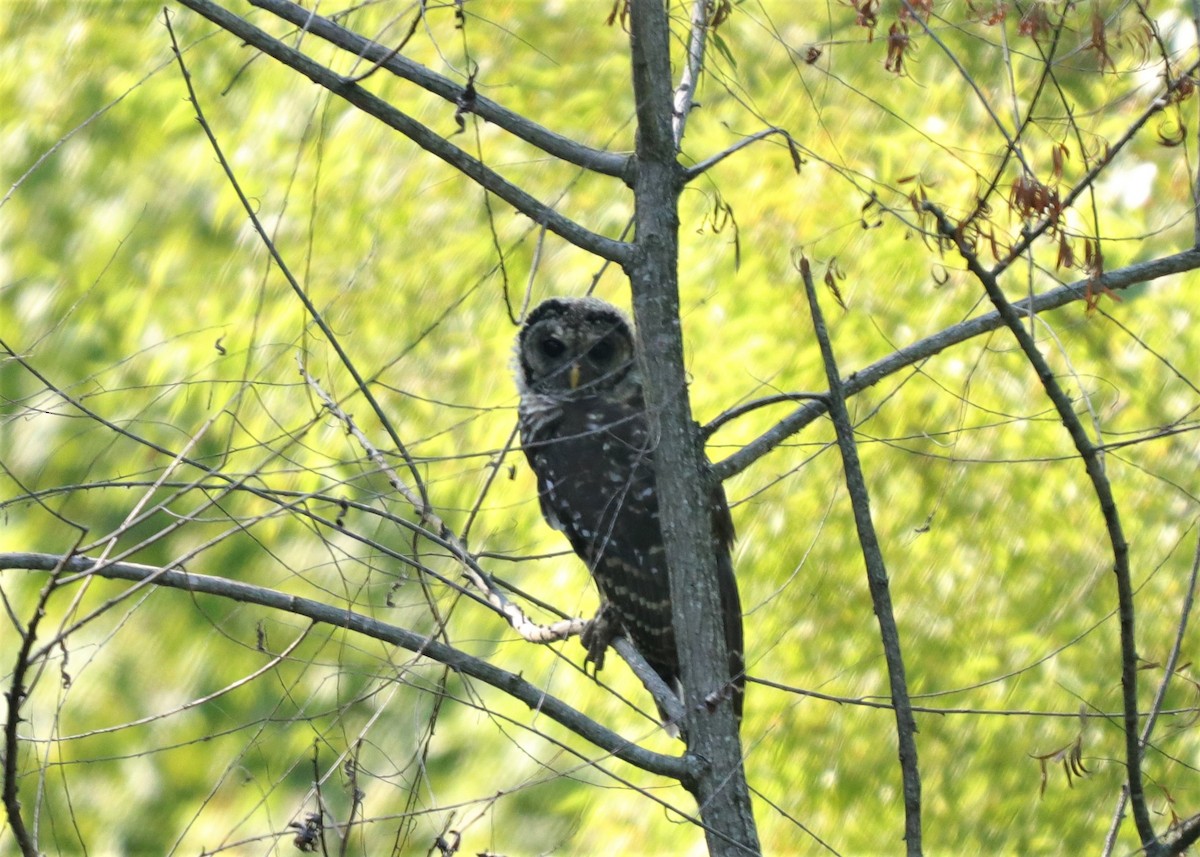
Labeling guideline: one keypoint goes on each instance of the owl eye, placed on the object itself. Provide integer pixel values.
(552, 346)
(602, 351)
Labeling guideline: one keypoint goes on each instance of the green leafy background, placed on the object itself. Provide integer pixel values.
(131, 280)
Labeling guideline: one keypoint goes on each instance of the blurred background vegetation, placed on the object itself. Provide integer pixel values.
(149, 321)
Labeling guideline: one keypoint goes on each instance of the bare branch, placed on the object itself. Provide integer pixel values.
(435, 144)
(680, 469)
(1185, 612)
(710, 162)
(685, 92)
(340, 617)
(596, 160)
(877, 577)
(1094, 463)
(856, 382)
(1031, 234)
(1172, 844)
(14, 698)
(731, 414)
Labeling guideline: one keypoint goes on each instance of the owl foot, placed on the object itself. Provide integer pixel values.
(598, 635)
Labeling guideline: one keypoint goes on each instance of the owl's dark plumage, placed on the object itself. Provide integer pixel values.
(584, 430)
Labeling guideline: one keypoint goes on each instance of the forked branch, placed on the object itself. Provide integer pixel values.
(856, 382)
(435, 144)
(556, 145)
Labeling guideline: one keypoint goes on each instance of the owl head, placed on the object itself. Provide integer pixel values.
(576, 347)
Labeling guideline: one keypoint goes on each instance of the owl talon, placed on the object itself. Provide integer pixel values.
(598, 636)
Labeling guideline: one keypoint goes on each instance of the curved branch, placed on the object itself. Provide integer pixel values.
(510, 683)
(1094, 464)
(564, 148)
(730, 414)
(1178, 840)
(14, 697)
(368, 102)
(1121, 278)
(711, 161)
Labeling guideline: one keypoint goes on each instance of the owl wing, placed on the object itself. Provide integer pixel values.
(596, 484)
(731, 602)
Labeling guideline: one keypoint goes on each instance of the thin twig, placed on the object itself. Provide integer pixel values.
(970, 80)
(1033, 102)
(731, 414)
(1028, 236)
(309, 306)
(14, 698)
(881, 704)
(877, 577)
(711, 161)
(1110, 840)
(493, 469)
(1114, 826)
(1185, 613)
(394, 51)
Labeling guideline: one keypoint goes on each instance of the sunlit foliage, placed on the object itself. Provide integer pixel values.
(152, 409)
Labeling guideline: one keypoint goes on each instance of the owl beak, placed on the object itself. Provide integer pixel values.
(573, 375)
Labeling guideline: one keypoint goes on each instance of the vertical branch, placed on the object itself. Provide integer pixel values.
(14, 697)
(1185, 612)
(1196, 180)
(685, 93)
(1094, 464)
(681, 472)
(877, 579)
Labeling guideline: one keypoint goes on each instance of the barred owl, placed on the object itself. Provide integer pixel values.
(584, 430)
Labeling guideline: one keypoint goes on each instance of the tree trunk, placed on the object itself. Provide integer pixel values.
(682, 474)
